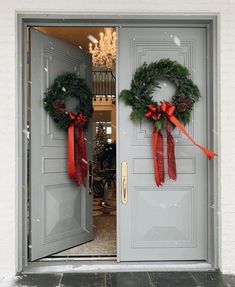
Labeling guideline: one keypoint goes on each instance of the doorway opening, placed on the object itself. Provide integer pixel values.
(100, 142)
(151, 22)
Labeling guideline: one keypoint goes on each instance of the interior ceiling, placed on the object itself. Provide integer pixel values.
(75, 36)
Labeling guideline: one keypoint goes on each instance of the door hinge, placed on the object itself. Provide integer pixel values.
(29, 248)
(28, 57)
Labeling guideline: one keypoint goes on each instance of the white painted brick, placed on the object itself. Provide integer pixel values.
(8, 190)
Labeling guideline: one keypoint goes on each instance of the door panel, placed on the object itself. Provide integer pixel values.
(170, 222)
(61, 213)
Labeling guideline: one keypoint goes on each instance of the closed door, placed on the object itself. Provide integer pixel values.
(169, 222)
(61, 213)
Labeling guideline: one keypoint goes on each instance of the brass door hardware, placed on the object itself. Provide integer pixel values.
(124, 183)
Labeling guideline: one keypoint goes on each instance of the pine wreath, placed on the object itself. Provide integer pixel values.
(163, 114)
(64, 86)
(146, 80)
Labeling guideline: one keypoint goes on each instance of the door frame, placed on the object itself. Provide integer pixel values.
(211, 23)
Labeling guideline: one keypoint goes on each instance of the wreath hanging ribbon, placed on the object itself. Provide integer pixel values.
(165, 115)
(166, 111)
(77, 156)
(64, 86)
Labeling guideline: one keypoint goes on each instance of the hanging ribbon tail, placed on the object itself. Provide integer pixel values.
(77, 156)
(84, 163)
(208, 153)
(80, 156)
(170, 152)
(158, 157)
(78, 178)
(70, 161)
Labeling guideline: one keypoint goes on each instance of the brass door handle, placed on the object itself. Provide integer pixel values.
(124, 183)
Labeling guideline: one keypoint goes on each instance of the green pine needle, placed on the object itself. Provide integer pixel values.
(64, 86)
(146, 80)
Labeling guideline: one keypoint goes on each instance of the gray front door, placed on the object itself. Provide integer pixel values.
(61, 213)
(170, 222)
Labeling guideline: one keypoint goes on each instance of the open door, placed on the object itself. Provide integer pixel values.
(60, 212)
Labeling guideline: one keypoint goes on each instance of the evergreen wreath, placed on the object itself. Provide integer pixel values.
(146, 80)
(64, 86)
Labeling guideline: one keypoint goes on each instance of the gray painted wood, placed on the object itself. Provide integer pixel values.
(61, 213)
(170, 222)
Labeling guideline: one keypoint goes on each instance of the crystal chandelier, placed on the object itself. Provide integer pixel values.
(104, 51)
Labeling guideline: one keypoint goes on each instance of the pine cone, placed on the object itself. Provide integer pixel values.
(190, 104)
(182, 107)
(57, 104)
(182, 99)
(60, 111)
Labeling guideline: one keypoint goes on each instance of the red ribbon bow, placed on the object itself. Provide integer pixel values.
(166, 111)
(77, 157)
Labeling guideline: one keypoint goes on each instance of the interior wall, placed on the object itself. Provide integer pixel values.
(107, 106)
(9, 152)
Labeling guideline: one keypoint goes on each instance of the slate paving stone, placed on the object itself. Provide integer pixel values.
(230, 280)
(213, 279)
(36, 280)
(83, 280)
(172, 279)
(124, 279)
(128, 279)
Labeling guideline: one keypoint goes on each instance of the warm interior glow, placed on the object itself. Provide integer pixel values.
(104, 51)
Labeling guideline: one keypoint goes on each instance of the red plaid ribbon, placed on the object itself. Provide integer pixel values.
(77, 156)
(166, 111)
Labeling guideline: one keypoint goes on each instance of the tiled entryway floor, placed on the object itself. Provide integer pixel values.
(136, 279)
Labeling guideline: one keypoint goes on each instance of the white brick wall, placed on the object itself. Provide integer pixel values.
(8, 155)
